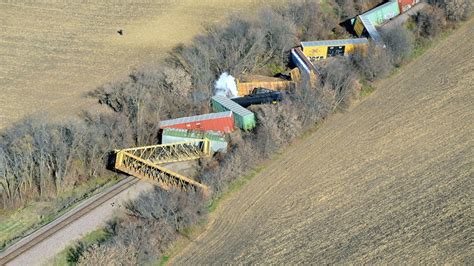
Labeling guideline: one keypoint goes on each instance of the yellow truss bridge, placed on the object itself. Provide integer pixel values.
(144, 162)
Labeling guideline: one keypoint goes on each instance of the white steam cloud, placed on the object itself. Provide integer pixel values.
(226, 86)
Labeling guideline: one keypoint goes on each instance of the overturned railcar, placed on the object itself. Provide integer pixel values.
(306, 68)
(218, 140)
(259, 96)
(405, 5)
(318, 50)
(367, 21)
(222, 121)
(243, 118)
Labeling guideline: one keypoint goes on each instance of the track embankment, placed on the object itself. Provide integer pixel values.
(390, 181)
(91, 214)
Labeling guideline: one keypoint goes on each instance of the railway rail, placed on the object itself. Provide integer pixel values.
(51, 228)
(140, 163)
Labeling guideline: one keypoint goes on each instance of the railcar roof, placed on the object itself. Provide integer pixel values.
(231, 105)
(195, 118)
(334, 42)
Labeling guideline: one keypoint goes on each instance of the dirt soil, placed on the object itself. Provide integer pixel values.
(53, 52)
(390, 181)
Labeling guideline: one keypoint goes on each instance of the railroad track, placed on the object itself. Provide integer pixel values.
(49, 229)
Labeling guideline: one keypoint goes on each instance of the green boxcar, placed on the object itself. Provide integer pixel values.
(218, 140)
(383, 13)
(243, 118)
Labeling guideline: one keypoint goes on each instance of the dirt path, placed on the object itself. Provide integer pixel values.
(52, 52)
(391, 181)
(45, 251)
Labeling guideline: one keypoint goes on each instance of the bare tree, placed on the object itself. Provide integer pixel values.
(372, 64)
(455, 10)
(311, 21)
(429, 22)
(399, 42)
(339, 77)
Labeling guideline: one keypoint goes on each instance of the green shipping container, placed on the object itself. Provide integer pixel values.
(382, 13)
(218, 140)
(243, 118)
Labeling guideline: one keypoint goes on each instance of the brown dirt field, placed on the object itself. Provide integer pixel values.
(53, 52)
(390, 181)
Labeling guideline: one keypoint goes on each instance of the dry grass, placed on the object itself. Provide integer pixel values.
(51, 53)
(390, 181)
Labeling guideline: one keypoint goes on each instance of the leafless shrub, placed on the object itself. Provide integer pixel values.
(148, 96)
(280, 35)
(176, 208)
(235, 48)
(373, 64)
(311, 21)
(365, 5)
(339, 77)
(218, 174)
(116, 254)
(346, 8)
(399, 42)
(135, 242)
(314, 102)
(455, 10)
(278, 125)
(36, 160)
(154, 220)
(429, 22)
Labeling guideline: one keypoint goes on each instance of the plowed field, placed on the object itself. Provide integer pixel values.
(52, 52)
(390, 181)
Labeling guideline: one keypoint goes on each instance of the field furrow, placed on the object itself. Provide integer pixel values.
(390, 181)
(52, 53)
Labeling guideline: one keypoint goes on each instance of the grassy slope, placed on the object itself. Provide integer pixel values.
(389, 181)
(21, 222)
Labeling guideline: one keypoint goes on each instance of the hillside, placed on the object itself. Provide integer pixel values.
(389, 181)
(52, 53)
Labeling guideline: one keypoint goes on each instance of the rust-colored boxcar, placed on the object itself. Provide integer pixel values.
(405, 5)
(222, 122)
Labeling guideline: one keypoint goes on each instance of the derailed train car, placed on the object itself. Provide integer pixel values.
(249, 83)
(222, 121)
(243, 118)
(318, 50)
(405, 5)
(217, 139)
(306, 68)
(376, 17)
(259, 96)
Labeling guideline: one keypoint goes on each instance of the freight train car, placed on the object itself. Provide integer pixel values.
(217, 139)
(323, 49)
(377, 16)
(405, 5)
(246, 85)
(243, 118)
(259, 96)
(306, 68)
(366, 27)
(222, 121)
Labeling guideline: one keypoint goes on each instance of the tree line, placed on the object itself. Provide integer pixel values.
(39, 159)
(246, 43)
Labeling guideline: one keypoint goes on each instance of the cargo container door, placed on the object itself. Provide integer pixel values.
(335, 51)
(359, 27)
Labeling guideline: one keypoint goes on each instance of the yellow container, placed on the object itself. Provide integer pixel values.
(358, 26)
(323, 49)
